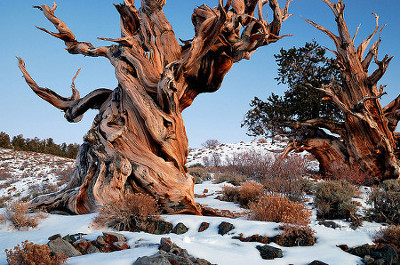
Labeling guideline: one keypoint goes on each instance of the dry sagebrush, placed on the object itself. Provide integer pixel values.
(385, 202)
(33, 254)
(249, 191)
(131, 213)
(296, 235)
(17, 213)
(389, 235)
(279, 209)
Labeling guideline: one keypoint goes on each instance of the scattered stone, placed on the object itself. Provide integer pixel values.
(158, 227)
(168, 254)
(53, 237)
(317, 262)
(269, 252)
(329, 224)
(368, 260)
(224, 228)
(119, 245)
(156, 259)
(73, 238)
(62, 246)
(179, 229)
(387, 253)
(343, 247)
(111, 237)
(254, 238)
(361, 251)
(203, 226)
(85, 247)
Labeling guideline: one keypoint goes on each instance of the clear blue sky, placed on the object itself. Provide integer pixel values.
(217, 115)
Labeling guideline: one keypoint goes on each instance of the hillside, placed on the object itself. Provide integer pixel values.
(26, 172)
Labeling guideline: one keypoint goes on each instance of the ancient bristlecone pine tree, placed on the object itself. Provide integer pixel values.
(367, 136)
(138, 142)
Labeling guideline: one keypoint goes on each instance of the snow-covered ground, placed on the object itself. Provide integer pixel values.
(207, 244)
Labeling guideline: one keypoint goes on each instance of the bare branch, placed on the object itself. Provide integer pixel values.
(65, 34)
(335, 38)
(380, 71)
(365, 43)
(373, 51)
(74, 106)
(333, 126)
(355, 34)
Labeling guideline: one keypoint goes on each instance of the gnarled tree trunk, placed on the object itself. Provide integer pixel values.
(367, 136)
(138, 142)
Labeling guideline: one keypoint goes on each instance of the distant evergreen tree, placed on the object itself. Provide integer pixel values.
(5, 140)
(18, 143)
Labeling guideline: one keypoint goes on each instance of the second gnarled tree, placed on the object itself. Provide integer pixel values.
(363, 135)
(138, 142)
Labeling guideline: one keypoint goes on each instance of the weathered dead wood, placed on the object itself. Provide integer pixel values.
(369, 134)
(138, 141)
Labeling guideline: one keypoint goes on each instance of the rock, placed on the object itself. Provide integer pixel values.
(73, 238)
(169, 253)
(156, 259)
(255, 238)
(387, 253)
(180, 229)
(343, 247)
(269, 252)
(368, 260)
(317, 262)
(361, 251)
(158, 227)
(53, 237)
(119, 245)
(111, 237)
(85, 247)
(224, 228)
(203, 226)
(329, 224)
(166, 244)
(62, 246)
(101, 241)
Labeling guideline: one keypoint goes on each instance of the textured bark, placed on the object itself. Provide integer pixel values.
(138, 141)
(367, 136)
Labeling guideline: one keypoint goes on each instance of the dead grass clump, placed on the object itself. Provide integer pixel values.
(199, 174)
(389, 235)
(130, 213)
(4, 200)
(5, 174)
(233, 178)
(277, 208)
(17, 212)
(30, 254)
(296, 235)
(333, 200)
(249, 191)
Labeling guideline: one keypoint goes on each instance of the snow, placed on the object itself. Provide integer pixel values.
(217, 249)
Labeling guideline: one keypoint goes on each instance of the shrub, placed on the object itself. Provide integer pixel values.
(5, 174)
(30, 254)
(210, 143)
(199, 174)
(277, 208)
(64, 175)
(352, 174)
(296, 235)
(130, 213)
(385, 201)
(249, 191)
(233, 178)
(389, 235)
(286, 177)
(17, 212)
(333, 199)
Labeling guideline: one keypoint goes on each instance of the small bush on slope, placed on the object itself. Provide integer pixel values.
(385, 201)
(33, 254)
(130, 213)
(333, 199)
(249, 191)
(389, 235)
(17, 212)
(233, 178)
(296, 235)
(277, 208)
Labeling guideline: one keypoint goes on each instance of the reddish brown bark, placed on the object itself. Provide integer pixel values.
(368, 131)
(138, 142)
